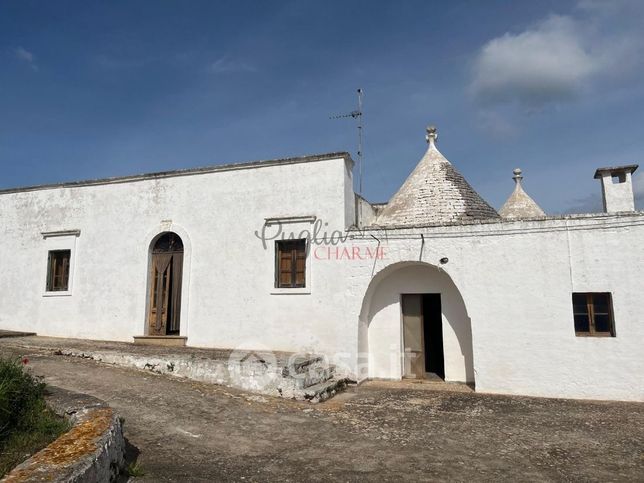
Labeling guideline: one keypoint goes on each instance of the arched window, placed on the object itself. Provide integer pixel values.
(168, 242)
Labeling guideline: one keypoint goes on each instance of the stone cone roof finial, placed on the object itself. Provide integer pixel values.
(519, 205)
(432, 135)
(517, 175)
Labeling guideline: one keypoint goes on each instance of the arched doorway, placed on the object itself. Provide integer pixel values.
(166, 271)
(406, 308)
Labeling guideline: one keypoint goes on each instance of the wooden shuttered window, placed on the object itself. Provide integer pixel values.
(58, 270)
(290, 263)
(593, 313)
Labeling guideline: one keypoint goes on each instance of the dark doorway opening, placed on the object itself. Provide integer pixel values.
(423, 336)
(433, 334)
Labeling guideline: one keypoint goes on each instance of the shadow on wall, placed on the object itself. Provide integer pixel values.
(380, 320)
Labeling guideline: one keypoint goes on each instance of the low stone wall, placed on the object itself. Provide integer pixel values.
(304, 377)
(93, 450)
(299, 376)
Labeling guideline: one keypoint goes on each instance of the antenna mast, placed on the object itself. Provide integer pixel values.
(357, 115)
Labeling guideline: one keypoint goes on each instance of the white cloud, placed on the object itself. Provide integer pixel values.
(559, 57)
(225, 65)
(26, 56)
(548, 62)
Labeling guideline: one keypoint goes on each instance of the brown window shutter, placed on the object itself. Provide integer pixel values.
(290, 263)
(58, 270)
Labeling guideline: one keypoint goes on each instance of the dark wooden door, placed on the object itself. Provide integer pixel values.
(161, 278)
(165, 286)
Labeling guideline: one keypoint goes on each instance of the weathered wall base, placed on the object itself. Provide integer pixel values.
(92, 451)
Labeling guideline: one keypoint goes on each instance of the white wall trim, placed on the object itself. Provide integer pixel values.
(62, 240)
(290, 219)
(49, 234)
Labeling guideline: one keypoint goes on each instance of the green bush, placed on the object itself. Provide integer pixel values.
(20, 393)
(26, 425)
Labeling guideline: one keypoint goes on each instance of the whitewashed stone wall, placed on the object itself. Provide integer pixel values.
(381, 312)
(516, 281)
(507, 286)
(228, 295)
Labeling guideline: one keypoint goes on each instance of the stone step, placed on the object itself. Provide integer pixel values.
(301, 363)
(316, 374)
(162, 340)
(325, 390)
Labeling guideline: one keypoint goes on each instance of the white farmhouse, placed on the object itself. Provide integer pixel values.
(283, 255)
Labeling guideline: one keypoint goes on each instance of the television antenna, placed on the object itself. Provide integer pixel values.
(357, 115)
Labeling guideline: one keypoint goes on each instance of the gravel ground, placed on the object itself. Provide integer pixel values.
(182, 430)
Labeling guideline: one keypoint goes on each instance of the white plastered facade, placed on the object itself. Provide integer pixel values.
(505, 288)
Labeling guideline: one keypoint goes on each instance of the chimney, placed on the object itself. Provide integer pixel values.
(617, 188)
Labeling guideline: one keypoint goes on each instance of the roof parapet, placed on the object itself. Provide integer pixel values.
(186, 172)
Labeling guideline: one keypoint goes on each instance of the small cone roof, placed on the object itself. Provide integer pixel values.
(519, 205)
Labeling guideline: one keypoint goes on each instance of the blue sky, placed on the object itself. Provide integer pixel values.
(91, 89)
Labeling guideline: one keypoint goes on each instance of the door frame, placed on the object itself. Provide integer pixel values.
(150, 239)
(421, 295)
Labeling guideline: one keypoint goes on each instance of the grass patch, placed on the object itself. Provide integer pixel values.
(135, 470)
(26, 424)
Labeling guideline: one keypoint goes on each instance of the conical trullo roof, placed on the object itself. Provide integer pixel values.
(519, 205)
(435, 193)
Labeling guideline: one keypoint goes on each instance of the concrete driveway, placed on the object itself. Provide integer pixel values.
(182, 430)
